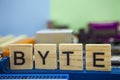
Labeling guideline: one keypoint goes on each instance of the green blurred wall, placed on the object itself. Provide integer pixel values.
(78, 13)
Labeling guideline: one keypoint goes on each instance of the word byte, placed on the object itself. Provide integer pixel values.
(69, 56)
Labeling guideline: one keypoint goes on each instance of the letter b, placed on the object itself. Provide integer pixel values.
(21, 56)
(16, 58)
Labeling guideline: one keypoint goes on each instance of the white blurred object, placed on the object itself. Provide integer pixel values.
(111, 40)
(54, 36)
(115, 58)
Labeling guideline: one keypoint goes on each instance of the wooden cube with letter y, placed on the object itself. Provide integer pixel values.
(98, 57)
(45, 56)
(21, 56)
(71, 57)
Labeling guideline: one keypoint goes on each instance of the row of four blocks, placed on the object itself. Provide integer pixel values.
(70, 56)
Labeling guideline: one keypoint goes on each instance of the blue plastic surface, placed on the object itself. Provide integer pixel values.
(71, 74)
(35, 76)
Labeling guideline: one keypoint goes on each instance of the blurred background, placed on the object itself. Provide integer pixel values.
(92, 21)
(27, 16)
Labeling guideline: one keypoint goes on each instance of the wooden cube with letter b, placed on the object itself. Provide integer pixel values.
(21, 56)
(98, 57)
(71, 57)
(45, 56)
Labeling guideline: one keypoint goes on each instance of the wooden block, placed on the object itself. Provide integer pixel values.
(71, 56)
(55, 36)
(98, 57)
(4, 46)
(25, 41)
(21, 56)
(6, 38)
(45, 56)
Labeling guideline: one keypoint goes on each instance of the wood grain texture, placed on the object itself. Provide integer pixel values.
(27, 50)
(75, 59)
(94, 52)
(50, 59)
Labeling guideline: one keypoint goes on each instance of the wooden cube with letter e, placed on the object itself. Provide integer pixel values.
(98, 57)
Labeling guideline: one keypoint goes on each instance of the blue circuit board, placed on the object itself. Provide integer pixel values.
(6, 73)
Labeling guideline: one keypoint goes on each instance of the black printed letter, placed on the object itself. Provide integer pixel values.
(68, 57)
(43, 57)
(20, 58)
(97, 59)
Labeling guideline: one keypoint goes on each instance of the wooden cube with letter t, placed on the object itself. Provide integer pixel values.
(21, 56)
(45, 56)
(98, 57)
(71, 57)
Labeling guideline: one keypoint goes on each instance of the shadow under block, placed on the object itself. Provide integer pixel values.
(21, 56)
(45, 56)
(98, 57)
(71, 56)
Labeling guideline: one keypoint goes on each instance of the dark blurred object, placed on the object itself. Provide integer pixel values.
(106, 33)
(102, 32)
(62, 27)
(116, 43)
(1, 55)
(50, 25)
(82, 36)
